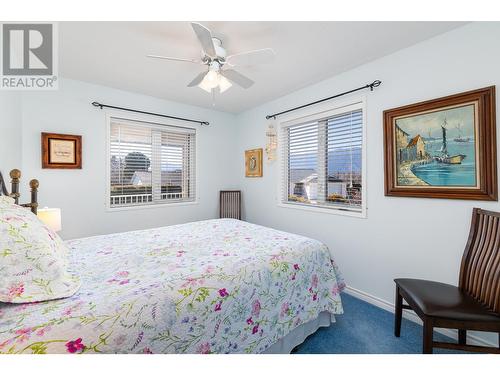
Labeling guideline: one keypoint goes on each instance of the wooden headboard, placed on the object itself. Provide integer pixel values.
(15, 175)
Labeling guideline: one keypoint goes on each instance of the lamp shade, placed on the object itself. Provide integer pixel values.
(224, 84)
(51, 217)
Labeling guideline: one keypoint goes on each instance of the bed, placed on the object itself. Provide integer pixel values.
(215, 286)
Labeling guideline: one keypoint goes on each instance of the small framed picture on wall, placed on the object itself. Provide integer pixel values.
(61, 151)
(253, 163)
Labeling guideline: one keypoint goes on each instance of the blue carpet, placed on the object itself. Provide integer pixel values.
(367, 329)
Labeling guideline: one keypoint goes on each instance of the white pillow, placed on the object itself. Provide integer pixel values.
(33, 259)
(6, 201)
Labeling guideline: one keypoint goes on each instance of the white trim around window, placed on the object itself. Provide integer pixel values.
(313, 140)
(180, 133)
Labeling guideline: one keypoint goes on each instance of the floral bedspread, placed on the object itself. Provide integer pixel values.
(216, 286)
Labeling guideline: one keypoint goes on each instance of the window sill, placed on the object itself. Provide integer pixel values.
(150, 206)
(331, 211)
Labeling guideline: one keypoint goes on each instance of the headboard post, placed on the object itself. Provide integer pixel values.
(34, 195)
(15, 174)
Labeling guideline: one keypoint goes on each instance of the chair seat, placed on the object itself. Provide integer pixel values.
(444, 301)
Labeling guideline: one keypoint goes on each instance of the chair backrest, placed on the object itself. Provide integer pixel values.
(480, 269)
(230, 204)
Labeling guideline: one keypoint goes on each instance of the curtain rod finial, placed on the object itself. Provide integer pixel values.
(96, 104)
(374, 84)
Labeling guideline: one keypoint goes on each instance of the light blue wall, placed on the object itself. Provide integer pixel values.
(10, 132)
(81, 194)
(401, 237)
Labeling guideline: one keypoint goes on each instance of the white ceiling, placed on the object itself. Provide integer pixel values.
(113, 54)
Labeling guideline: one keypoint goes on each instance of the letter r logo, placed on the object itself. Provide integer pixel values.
(27, 49)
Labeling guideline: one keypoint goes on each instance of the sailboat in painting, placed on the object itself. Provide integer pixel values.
(444, 157)
(430, 138)
(460, 138)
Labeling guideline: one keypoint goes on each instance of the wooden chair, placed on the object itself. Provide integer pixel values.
(473, 305)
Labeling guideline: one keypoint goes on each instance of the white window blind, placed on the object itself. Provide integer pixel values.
(322, 162)
(150, 164)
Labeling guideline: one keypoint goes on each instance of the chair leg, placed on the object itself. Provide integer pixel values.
(398, 313)
(462, 336)
(427, 337)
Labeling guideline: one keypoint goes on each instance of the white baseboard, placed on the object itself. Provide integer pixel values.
(410, 315)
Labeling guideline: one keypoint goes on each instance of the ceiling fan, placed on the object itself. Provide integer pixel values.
(219, 74)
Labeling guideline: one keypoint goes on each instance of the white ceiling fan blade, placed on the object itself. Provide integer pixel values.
(194, 61)
(259, 56)
(197, 80)
(237, 78)
(205, 37)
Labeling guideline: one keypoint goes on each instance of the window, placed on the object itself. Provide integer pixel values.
(322, 157)
(150, 164)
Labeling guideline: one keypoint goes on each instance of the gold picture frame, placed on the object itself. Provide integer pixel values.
(253, 163)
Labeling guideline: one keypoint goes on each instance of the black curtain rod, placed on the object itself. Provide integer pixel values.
(101, 106)
(368, 86)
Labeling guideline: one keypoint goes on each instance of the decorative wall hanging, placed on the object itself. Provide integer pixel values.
(272, 142)
(443, 148)
(61, 151)
(253, 163)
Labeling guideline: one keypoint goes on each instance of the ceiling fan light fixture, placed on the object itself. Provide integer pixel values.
(210, 81)
(205, 87)
(214, 57)
(213, 80)
(212, 77)
(224, 84)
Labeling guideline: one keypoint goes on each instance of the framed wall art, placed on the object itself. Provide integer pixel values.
(443, 148)
(61, 151)
(253, 163)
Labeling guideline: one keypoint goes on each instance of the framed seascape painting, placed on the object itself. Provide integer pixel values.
(443, 148)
